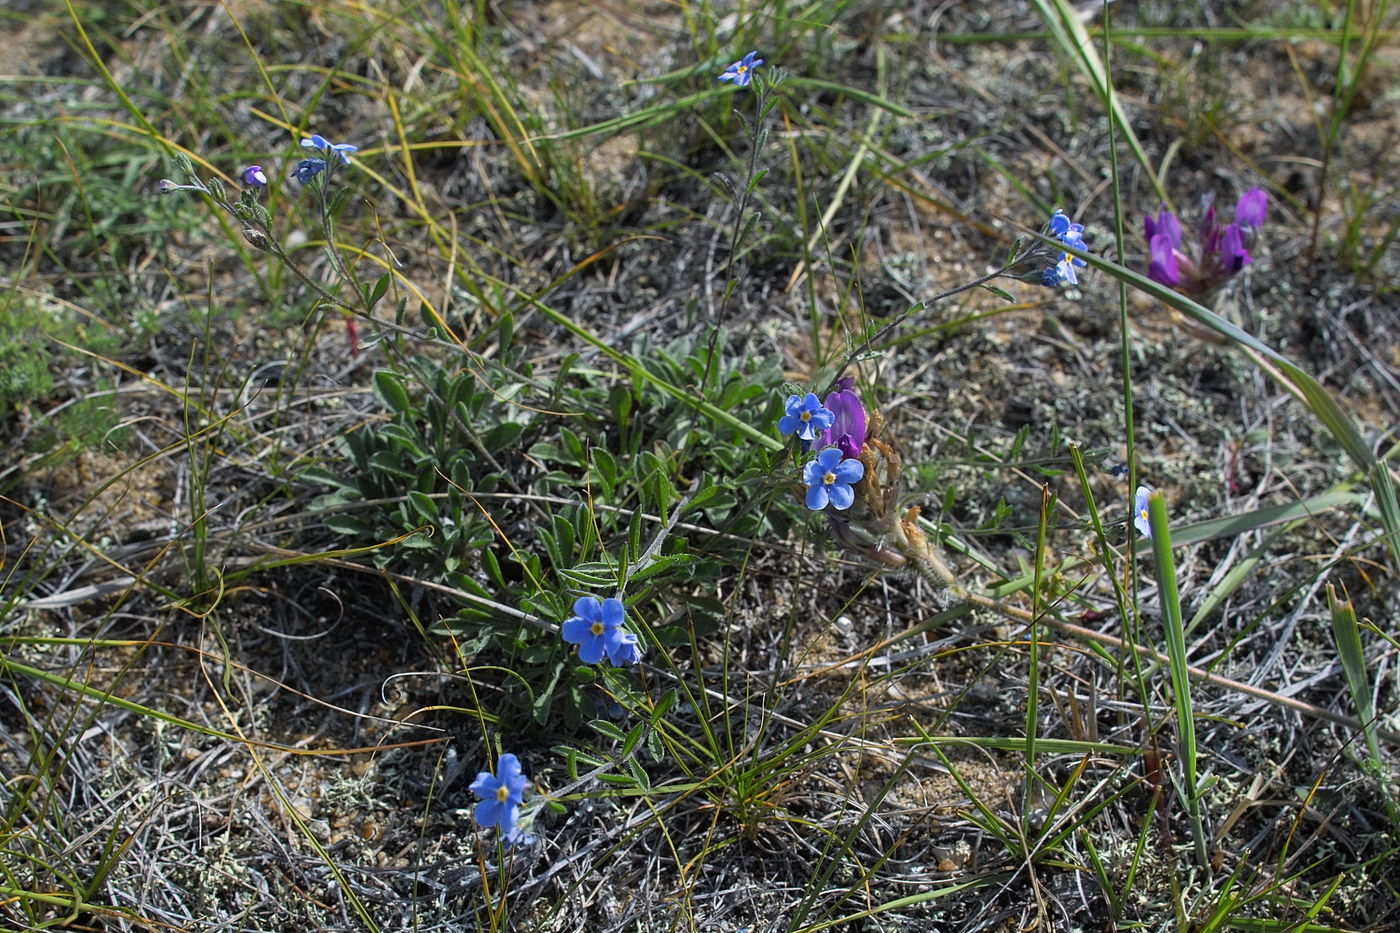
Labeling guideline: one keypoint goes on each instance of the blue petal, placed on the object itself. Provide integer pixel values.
(829, 458)
(613, 613)
(588, 607)
(576, 630)
(812, 473)
(817, 497)
(488, 813)
(849, 471)
(590, 650)
(484, 785)
(841, 496)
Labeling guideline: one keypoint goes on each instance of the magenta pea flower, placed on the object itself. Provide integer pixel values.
(501, 795)
(829, 480)
(847, 428)
(1250, 211)
(1218, 254)
(741, 72)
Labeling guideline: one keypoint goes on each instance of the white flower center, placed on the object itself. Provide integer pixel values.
(829, 478)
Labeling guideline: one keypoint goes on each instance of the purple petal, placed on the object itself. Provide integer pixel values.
(1162, 268)
(1252, 209)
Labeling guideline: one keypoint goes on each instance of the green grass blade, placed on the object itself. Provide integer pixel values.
(1181, 679)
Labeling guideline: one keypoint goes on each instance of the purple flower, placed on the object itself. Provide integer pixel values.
(741, 72)
(328, 148)
(829, 479)
(805, 416)
(1251, 209)
(166, 186)
(1232, 252)
(308, 169)
(1219, 252)
(847, 429)
(1162, 268)
(596, 627)
(253, 176)
(500, 795)
(1165, 224)
(1140, 520)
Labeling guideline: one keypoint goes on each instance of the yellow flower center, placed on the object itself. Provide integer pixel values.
(502, 794)
(806, 416)
(741, 69)
(829, 478)
(596, 628)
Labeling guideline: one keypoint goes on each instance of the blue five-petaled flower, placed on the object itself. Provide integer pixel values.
(806, 417)
(741, 72)
(1140, 520)
(829, 479)
(596, 627)
(501, 795)
(328, 148)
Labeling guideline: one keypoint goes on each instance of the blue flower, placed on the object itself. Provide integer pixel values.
(500, 795)
(1140, 521)
(596, 627)
(1060, 227)
(254, 177)
(328, 148)
(308, 169)
(741, 72)
(1071, 234)
(829, 478)
(806, 416)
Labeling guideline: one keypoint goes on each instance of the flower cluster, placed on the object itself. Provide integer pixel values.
(1071, 234)
(741, 72)
(596, 627)
(837, 427)
(1218, 253)
(501, 795)
(308, 169)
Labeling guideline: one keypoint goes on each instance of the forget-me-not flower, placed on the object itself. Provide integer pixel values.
(596, 627)
(1140, 518)
(501, 795)
(308, 169)
(741, 72)
(1071, 234)
(829, 479)
(325, 146)
(805, 416)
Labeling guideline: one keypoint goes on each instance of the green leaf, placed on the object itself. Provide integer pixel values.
(606, 729)
(389, 389)
(349, 525)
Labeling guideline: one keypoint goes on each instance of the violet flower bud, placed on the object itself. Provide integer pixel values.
(254, 177)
